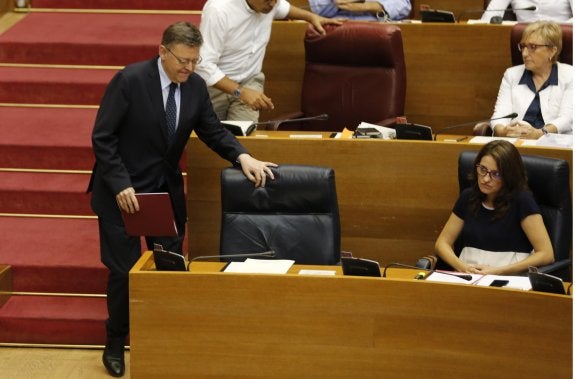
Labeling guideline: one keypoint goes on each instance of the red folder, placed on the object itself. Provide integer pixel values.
(155, 217)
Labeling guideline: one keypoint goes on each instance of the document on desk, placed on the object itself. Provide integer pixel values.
(260, 266)
(452, 277)
(486, 139)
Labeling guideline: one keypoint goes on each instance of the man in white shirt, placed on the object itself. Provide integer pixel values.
(550, 10)
(236, 33)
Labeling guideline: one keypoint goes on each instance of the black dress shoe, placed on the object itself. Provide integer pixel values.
(113, 358)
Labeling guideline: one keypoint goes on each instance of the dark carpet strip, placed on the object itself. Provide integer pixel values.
(45, 85)
(44, 193)
(53, 320)
(50, 254)
(124, 4)
(46, 138)
(86, 39)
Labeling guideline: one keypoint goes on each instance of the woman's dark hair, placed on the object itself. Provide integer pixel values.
(513, 176)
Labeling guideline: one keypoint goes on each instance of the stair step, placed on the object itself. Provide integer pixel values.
(45, 85)
(185, 5)
(46, 138)
(86, 38)
(53, 320)
(60, 255)
(44, 193)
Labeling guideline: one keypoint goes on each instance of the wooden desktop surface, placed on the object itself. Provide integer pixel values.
(453, 70)
(211, 324)
(394, 196)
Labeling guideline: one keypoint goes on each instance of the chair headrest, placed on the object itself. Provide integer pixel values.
(295, 189)
(355, 44)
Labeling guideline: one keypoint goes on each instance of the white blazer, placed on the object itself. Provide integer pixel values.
(556, 101)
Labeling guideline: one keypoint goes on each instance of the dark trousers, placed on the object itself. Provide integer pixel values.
(119, 252)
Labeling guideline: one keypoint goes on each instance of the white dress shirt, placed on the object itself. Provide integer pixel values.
(235, 39)
(556, 100)
(551, 10)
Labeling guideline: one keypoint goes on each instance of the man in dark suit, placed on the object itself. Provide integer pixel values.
(145, 118)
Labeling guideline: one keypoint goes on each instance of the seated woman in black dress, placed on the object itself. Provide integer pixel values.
(497, 218)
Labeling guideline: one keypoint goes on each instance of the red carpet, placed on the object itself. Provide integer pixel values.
(60, 255)
(186, 5)
(47, 138)
(38, 85)
(44, 193)
(52, 320)
(53, 254)
(86, 39)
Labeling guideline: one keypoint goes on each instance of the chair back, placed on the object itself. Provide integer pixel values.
(354, 73)
(566, 55)
(549, 181)
(296, 215)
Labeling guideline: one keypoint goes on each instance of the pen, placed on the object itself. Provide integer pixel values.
(456, 140)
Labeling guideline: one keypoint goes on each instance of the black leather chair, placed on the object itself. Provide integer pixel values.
(548, 179)
(296, 215)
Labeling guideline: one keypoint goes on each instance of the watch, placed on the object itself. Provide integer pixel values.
(237, 92)
(544, 130)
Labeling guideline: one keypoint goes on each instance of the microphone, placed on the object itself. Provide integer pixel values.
(531, 8)
(510, 115)
(431, 271)
(319, 117)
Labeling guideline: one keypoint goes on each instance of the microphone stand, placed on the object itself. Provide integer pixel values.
(320, 117)
(467, 277)
(511, 115)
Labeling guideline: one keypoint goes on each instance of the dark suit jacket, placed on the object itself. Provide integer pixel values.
(130, 138)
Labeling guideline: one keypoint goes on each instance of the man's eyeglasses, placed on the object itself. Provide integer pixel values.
(531, 47)
(483, 171)
(185, 62)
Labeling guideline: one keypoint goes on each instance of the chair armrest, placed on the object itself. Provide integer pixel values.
(560, 268)
(482, 129)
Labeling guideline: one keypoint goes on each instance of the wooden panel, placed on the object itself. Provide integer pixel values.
(5, 283)
(394, 196)
(214, 324)
(453, 70)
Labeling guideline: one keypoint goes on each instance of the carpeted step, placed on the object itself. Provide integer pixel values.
(185, 5)
(46, 85)
(44, 193)
(53, 320)
(86, 38)
(46, 138)
(60, 255)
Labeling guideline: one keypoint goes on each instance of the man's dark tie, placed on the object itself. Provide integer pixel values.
(171, 111)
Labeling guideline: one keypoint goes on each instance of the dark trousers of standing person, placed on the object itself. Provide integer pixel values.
(119, 252)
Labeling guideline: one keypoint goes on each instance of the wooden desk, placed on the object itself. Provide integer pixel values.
(453, 70)
(212, 324)
(394, 196)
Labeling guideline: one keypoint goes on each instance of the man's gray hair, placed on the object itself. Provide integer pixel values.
(182, 32)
